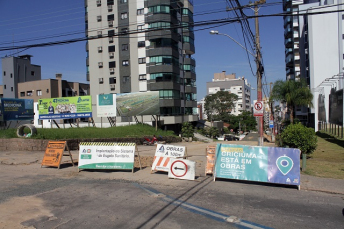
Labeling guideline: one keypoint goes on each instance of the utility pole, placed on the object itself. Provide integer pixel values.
(260, 71)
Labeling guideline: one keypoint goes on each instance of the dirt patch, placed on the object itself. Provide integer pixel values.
(21, 209)
(146, 161)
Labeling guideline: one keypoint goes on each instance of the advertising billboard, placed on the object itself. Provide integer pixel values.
(16, 109)
(65, 108)
(138, 103)
(106, 105)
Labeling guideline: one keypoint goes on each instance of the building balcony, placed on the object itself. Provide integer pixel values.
(289, 61)
(150, 17)
(163, 33)
(287, 21)
(287, 32)
(190, 75)
(288, 42)
(190, 89)
(286, 4)
(290, 71)
(190, 61)
(169, 102)
(162, 51)
(296, 34)
(189, 48)
(152, 68)
(190, 103)
(166, 85)
(288, 51)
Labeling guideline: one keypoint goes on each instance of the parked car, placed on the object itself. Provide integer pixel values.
(231, 138)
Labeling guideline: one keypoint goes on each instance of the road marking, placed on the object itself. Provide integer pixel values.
(203, 211)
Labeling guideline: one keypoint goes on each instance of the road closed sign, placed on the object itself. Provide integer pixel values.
(182, 169)
(164, 153)
(258, 110)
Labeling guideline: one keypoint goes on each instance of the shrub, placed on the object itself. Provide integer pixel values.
(187, 130)
(299, 136)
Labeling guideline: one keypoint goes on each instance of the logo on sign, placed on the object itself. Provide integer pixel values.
(161, 149)
(284, 164)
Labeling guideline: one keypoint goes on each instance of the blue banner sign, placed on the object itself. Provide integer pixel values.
(253, 163)
(16, 109)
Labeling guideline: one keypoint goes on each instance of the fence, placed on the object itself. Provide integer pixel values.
(331, 128)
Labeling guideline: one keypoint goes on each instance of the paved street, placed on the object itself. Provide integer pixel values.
(35, 197)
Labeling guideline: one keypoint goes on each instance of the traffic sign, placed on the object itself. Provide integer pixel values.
(258, 109)
(271, 124)
(182, 169)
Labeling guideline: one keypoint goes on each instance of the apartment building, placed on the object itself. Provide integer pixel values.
(22, 80)
(314, 51)
(138, 46)
(232, 84)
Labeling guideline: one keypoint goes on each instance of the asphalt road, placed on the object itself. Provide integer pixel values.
(35, 197)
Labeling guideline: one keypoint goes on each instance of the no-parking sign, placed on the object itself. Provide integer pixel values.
(258, 110)
(182, 169)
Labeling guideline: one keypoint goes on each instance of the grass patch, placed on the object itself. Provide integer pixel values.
(328, 159)
(137, 130)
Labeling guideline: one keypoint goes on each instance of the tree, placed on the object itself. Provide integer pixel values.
(187, 130)
(247, 121)
(217, 106)
(293, 93)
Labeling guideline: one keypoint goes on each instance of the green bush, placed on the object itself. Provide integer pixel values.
(299, 136)
(213, 132)
(187, 130)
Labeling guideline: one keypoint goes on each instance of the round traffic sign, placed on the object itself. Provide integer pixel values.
(179, 168)
(258, 106)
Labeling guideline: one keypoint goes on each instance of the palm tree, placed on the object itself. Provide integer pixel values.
(294, 93)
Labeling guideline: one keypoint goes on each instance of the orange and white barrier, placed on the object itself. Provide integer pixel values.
(163, 154)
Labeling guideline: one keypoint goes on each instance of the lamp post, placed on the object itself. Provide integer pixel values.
(257, 58)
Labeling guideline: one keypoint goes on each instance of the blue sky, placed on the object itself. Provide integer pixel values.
(27, 22)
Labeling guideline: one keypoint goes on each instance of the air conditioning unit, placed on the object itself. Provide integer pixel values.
(110, 23)
(100, 49)
(112, 87)
(100, 64)
(99, 2)
(109, 8)
(99, 33)
(111, 55)
(112, 70)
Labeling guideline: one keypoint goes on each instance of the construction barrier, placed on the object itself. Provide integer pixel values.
(54, 152)
(164, 153)
(107, 155)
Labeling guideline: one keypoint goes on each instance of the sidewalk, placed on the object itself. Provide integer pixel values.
(196, 152)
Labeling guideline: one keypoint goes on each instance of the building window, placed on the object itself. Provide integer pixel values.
(159, 9)
(123, 1)
(141, 44)
(110, 39)
(112, 80)
(100, 49)
(125, 79)
(5, 86)
(101, 81)
(22, 94)
(111, 17)
(161, 24)
(169, 94)
(125, 62)
(11, 88)
(111, 48)
(140, 27)
(99, 3)
(142, 60)
(124, 15)
(4, 73)
(111, 33)
(29, 93)
(39, 92)
(32, 73)
(164, 60)
(143, 77)
(99, 18)
(99, 33)
(112, 64)
(124, 47)
(124, 31)
(110, 2)
(11, 75)
(140, 11)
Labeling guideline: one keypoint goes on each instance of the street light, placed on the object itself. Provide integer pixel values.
(215, 32)
(260, 70)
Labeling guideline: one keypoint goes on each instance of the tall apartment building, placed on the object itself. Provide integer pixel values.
(138, 46)
(238, 86)
(314, 51)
